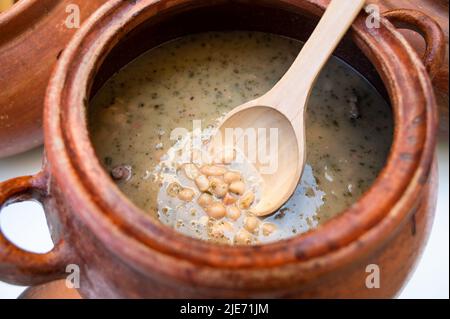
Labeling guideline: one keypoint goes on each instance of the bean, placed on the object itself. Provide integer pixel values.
(237, 187)
(202, 183)
(191, 171)
(186, 195)
(247, 200)
(229, 199)
(219, 228)
(216, 210)
(243, 237)
(251, 224)
(268, 228)
(233, 213)
(216, 231)
(205, 200)
(230, 177)
(218, 187)
(212, 170)
(122, 172)
(229, 154)
(174, 189)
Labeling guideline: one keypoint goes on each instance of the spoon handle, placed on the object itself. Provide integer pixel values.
(291, 93)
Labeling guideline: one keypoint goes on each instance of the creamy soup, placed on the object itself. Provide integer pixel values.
(6, 4)
(204, 76)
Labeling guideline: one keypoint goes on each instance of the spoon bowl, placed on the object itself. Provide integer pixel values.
(271, 142)
(283, 110)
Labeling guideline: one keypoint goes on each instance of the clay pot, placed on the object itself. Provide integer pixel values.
(32, 36)
(438, 10)
(28, 34)
(121, 252)
(53, 290)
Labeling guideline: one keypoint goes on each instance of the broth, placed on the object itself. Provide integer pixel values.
(6, 4)
(204, 76)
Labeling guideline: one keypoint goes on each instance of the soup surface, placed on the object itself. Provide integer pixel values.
(6, 4)
(204, 76)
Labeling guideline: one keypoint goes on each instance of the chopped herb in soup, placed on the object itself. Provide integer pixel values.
(203, 77)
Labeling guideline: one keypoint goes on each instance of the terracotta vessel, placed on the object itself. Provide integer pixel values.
(32, 36)
(52, 290)
(122, 252)
(438, 10)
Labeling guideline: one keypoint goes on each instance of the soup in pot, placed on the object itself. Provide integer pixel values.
(6, 4)
(188, 85)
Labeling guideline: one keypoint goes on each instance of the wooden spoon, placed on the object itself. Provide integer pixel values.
(283, 109)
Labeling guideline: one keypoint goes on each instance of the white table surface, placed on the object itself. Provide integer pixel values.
(25, 224)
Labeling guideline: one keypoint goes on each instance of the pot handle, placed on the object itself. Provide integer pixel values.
(429, 29)
(18, 266)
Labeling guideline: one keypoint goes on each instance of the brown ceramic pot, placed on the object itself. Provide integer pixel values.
(52, 290)
(32, 36)
(122, 252)
(438, 10)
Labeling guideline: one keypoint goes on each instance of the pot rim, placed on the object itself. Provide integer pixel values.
(113, 218)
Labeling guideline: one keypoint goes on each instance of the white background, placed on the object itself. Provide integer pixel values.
(25, 224)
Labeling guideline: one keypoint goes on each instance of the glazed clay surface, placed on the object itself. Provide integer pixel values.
(34, 30)
(438, 11)
(122, 253)
(33, 35)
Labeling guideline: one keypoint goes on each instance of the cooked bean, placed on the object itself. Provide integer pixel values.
(268, 228)
(205, 200)
(229, 199)
(213, 180)
(229, 154)
(216, 210)
(243, 237)
(216, 231)
(174, 189)
(251, 224)
(202, 183)
(237, 187)
(247, 200)
(122, 172)
(212, 170)
(186, 195)
(233, 213)
(219, 228)
(218, 187)
(230, 177)
(191, 171)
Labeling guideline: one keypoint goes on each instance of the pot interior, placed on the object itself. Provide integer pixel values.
(268, 16)
(286, 21)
